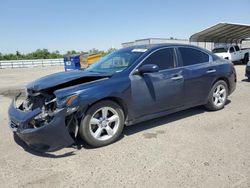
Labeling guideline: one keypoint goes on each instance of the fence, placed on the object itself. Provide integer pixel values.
(31, 63)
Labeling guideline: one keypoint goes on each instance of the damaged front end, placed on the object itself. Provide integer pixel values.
(41, 124)
(48, 119)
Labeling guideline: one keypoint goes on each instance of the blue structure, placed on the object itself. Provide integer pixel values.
(72, 62)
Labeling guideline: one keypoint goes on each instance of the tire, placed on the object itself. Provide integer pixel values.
(217, 98)
(246, 59)
(97, 128)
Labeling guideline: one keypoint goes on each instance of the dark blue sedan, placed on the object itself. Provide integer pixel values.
(128, 86)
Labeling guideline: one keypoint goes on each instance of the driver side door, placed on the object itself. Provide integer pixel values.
(158, 91)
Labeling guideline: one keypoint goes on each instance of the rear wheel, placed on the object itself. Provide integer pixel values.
(217, 96)
(102, 124)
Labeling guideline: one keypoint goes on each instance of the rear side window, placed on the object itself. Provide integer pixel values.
(231, 50)
(163, 58)
(237, 48)
(192, 56)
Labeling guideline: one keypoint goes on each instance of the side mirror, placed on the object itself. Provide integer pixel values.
(149, 68)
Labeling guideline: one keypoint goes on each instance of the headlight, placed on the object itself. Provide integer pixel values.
(72, 104)
(68, 101)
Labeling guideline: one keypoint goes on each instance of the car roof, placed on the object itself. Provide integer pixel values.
(152, 47)
(156, 46)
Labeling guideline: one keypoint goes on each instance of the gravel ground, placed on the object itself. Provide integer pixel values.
(192, 148)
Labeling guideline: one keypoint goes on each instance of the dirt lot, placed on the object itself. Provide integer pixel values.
(193, 148)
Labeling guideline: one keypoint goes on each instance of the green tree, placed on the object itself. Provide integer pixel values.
(110, 50)
(45, 54)
(95, 51)
(72, 52)
(18, 55)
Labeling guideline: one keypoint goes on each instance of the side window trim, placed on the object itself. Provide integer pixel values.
(178, 59)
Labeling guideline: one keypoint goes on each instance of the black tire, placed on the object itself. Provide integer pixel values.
(246, 59)
(85, 131)
(211, 102)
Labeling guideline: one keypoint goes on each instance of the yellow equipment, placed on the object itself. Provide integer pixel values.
(86, 60)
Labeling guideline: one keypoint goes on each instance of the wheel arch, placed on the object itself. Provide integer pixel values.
(117, 100)
(225, 79)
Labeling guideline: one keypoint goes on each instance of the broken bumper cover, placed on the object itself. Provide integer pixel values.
(50, 137)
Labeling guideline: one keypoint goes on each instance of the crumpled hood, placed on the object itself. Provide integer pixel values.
(64, 79)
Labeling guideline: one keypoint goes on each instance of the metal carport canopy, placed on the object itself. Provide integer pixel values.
(223, 33)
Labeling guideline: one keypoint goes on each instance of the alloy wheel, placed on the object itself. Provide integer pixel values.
(104, 123)
(219, 95)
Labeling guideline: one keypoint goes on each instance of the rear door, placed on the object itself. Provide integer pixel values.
(199, 73)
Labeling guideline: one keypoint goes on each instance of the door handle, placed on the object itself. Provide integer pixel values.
(211, 71)
(177, 77)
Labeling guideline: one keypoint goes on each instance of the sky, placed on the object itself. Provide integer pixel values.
(26, 25)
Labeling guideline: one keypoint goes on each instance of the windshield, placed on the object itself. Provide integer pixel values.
(116, 61)
(219, 50)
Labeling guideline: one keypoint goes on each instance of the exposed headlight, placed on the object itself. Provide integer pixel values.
(68, 101)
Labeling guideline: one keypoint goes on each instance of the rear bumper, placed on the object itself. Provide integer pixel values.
(50, 137)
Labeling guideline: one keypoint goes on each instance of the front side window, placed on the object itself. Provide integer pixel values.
(163, 58)
(192, 56)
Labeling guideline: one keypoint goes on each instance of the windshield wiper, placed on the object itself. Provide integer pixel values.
(98, 72)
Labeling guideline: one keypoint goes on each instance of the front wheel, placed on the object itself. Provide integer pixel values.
(102, 124)
(218, 96)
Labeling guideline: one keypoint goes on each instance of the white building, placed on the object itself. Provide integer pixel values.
(221, 33)
(207, 45)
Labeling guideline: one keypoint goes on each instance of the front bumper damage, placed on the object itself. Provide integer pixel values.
(47, 138)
